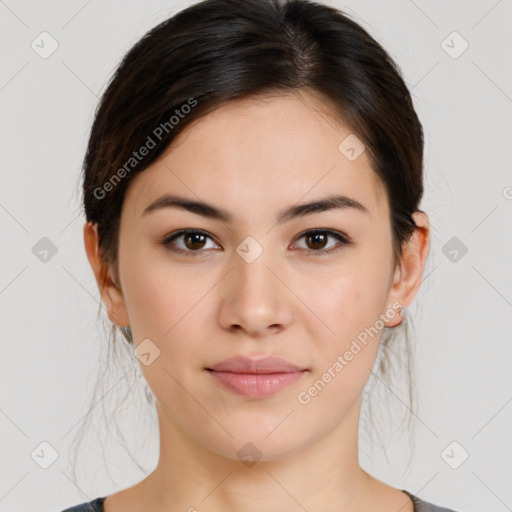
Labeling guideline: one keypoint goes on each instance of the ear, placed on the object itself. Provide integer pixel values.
(110, 293)
(409, 272)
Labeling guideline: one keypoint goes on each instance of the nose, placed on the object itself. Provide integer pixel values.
(255, 298)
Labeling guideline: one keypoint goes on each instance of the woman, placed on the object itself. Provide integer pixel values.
(251, 187)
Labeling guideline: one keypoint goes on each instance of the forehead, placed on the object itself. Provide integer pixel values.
(255, 154)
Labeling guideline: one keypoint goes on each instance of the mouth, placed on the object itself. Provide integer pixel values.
(256, 385)
(255, 378)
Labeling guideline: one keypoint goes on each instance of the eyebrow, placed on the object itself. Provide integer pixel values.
(214, 212)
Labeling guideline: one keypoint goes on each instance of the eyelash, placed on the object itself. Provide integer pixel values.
(341, 238)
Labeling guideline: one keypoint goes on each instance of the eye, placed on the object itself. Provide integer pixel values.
(319, 237)
(195, 240)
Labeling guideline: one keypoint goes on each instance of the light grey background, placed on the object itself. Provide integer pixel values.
(462, 314)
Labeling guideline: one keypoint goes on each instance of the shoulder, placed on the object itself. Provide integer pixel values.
(95, 505)
(425, 506)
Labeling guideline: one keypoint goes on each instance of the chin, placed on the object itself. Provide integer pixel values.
(251, 445)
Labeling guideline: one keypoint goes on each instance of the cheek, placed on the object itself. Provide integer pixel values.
(169, 304)
(353, 296)
(349, 306)
(166, 308)
(343, 358)
(160, 296)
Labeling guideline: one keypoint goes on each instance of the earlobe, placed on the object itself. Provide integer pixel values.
(109, 290)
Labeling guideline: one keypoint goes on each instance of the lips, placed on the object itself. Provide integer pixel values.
(256, 378)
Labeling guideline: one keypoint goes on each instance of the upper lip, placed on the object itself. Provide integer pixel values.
(243, 364)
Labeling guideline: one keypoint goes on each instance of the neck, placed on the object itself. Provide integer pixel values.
(323, 475)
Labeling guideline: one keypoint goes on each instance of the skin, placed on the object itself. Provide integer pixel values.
(253, 158)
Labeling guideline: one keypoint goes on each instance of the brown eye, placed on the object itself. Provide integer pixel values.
(316, 241)
(193, 241)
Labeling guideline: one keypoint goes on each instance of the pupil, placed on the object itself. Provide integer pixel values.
(191, 236)
(316, 235)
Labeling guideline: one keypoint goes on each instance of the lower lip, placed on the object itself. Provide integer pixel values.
(256, 385)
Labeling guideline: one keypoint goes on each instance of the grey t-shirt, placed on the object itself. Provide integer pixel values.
(419, 505)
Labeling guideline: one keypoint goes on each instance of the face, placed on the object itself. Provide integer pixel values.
(256, 284)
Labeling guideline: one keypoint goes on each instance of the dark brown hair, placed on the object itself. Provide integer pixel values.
(216, 51)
